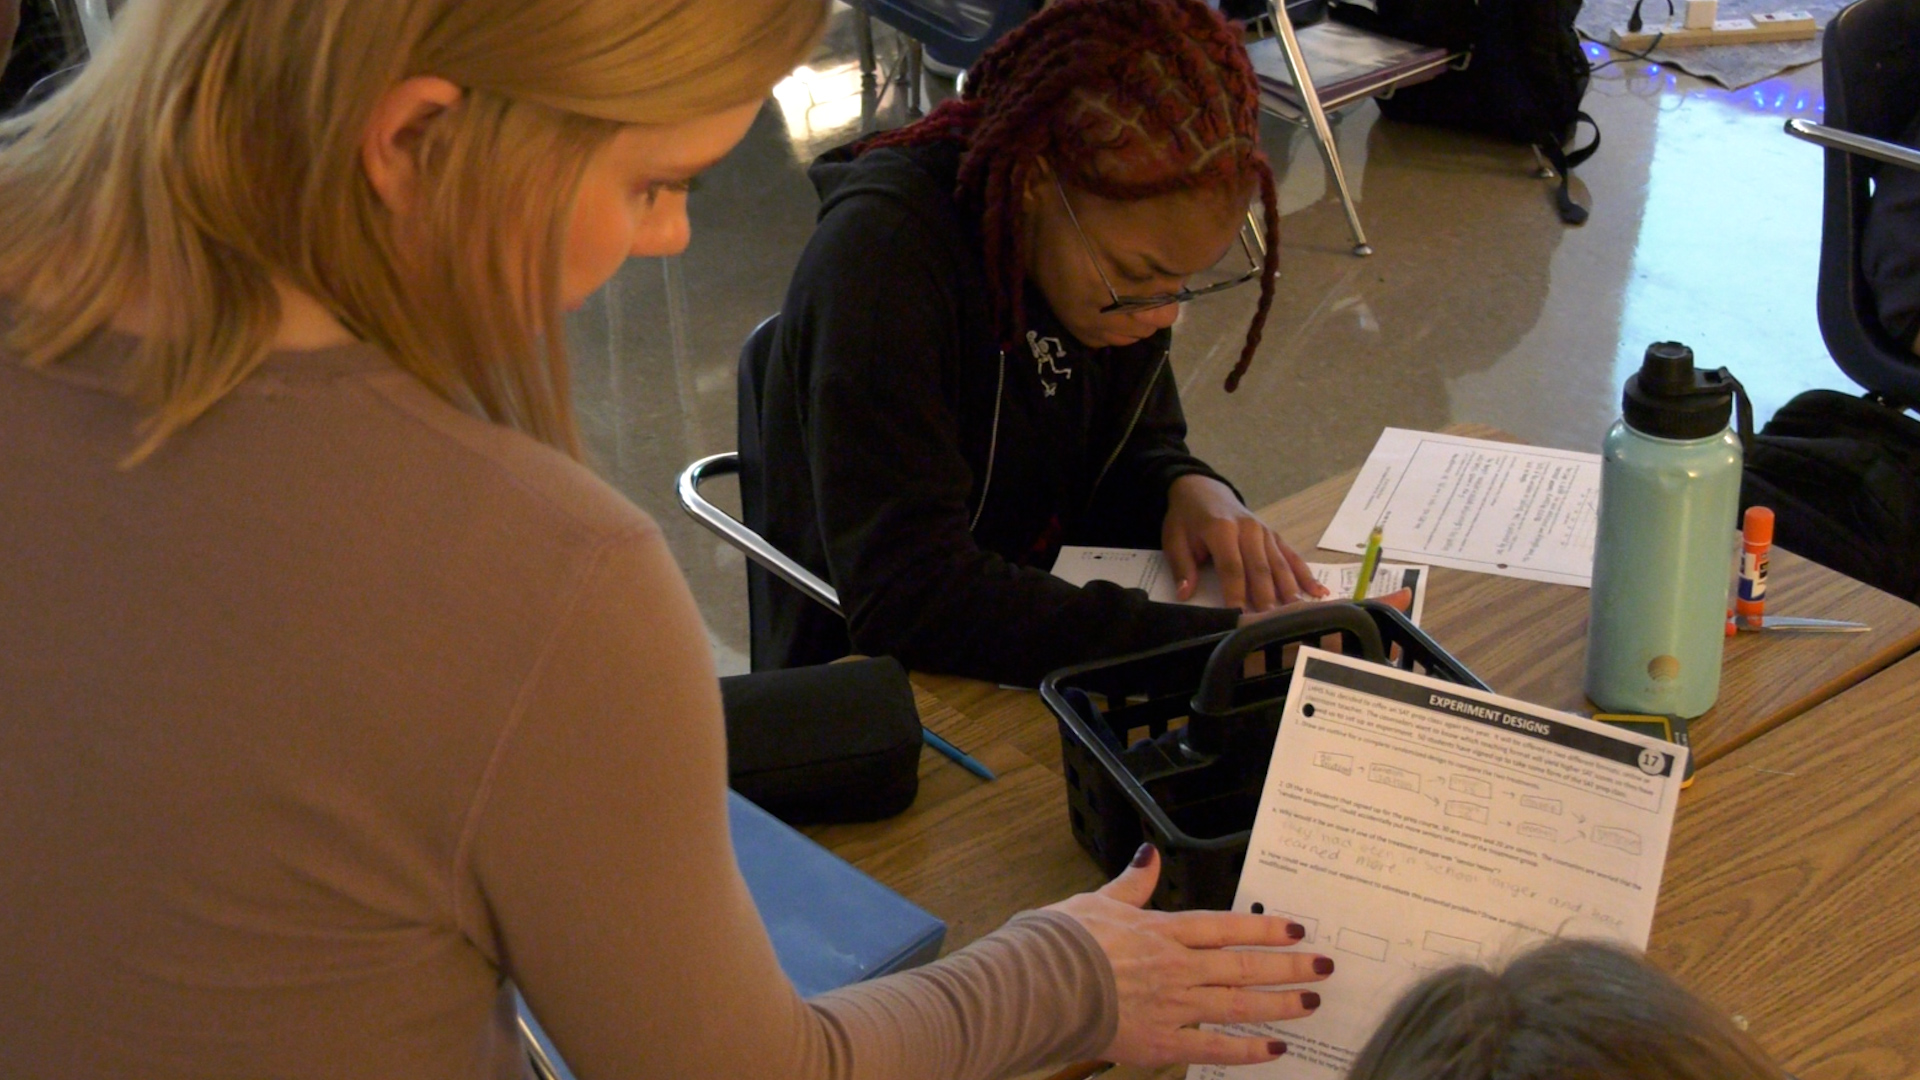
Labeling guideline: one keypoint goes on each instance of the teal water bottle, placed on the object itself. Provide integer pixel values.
(1663, 559)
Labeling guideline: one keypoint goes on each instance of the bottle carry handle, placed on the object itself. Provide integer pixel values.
(1719, 380)
(1742, 411)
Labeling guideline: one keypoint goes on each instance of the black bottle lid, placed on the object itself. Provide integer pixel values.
(1669, 399)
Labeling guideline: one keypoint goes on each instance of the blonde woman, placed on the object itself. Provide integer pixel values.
(9, 25)
(333, 690)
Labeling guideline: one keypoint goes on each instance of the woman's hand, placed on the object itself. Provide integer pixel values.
(1173, 971)
(1258, 571)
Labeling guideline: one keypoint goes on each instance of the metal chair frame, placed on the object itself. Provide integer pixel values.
(750, 543)
(1312, 114)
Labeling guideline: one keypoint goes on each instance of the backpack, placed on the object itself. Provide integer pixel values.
(1842, 476)
(1299, 12)
(1523, 79)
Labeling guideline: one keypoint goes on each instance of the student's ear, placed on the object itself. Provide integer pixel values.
(1039, 183)
(390, 149)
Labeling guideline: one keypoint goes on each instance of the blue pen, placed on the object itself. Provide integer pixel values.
(958, 755)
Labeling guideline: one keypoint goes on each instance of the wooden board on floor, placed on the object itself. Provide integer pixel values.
(1737, 30)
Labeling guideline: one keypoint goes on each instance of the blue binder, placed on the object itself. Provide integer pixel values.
(831, 924)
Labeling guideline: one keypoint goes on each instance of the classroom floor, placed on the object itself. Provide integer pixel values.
(1478, 304)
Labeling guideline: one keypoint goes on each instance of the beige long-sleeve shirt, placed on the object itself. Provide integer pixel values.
(344, 707)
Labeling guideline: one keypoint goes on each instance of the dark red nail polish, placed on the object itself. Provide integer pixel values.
(1295, 930)
(1323, 965)
(1276, 1048)
(1143, 856)
(1309, 999)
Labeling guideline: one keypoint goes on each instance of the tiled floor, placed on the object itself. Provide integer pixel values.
(1479, 304)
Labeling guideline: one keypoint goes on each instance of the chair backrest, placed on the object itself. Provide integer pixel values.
(954, 32)
(1871, 60)
(754, 357)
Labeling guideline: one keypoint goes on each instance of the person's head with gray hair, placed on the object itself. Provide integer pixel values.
(1567, 1010)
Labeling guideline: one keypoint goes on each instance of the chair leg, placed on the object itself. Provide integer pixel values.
(916, 70)
(1317, 120)
(863, 31)
(1545, 170)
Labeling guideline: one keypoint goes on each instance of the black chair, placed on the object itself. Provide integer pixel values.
(766, 562)
(1871, 59)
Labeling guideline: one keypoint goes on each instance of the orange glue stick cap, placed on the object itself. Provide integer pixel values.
(1757, 526)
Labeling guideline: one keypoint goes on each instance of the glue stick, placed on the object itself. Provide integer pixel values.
(1756, 537)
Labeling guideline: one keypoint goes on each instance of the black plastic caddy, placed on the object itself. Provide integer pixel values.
(1172, 745)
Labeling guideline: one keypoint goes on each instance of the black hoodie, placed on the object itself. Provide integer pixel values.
(932, 477)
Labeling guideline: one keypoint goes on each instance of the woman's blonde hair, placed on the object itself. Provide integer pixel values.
(215, 144)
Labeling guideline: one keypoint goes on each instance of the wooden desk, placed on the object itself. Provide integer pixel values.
(975, 853)
(1789, 893)
(1528, 639)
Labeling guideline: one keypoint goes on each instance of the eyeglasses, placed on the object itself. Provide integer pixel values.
(1252, 245)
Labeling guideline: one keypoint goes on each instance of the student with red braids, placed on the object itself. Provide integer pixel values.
(971, 366)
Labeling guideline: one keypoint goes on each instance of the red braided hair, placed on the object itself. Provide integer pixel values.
(1126, 99)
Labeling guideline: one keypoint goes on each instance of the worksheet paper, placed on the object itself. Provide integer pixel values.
(1499, 508)
(1149, 571)
(1411, 824)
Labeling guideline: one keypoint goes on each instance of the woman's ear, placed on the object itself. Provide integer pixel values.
(390, 149)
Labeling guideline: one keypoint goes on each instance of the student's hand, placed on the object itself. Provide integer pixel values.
(1401, 599)
(1206, 523)
(1173, 972)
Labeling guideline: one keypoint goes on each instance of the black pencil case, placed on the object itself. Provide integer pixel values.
(828, 743)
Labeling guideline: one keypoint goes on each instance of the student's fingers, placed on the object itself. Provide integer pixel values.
(1249, 617)
(1223, 543)
(1401, 599)
(1302, 573)
(1186, 570)
(1289, 583)
(1262, 589)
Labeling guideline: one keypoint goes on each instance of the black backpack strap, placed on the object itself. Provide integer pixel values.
(1563, 163)
(1575, 158)
(1570, 212)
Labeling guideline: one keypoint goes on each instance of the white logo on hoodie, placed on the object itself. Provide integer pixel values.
(1047, 352)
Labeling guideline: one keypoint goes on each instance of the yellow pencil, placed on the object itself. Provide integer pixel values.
(1367, 564)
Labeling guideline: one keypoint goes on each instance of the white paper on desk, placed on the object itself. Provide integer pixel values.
(1411, 824)
(1499, 508)
(1149, 571)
